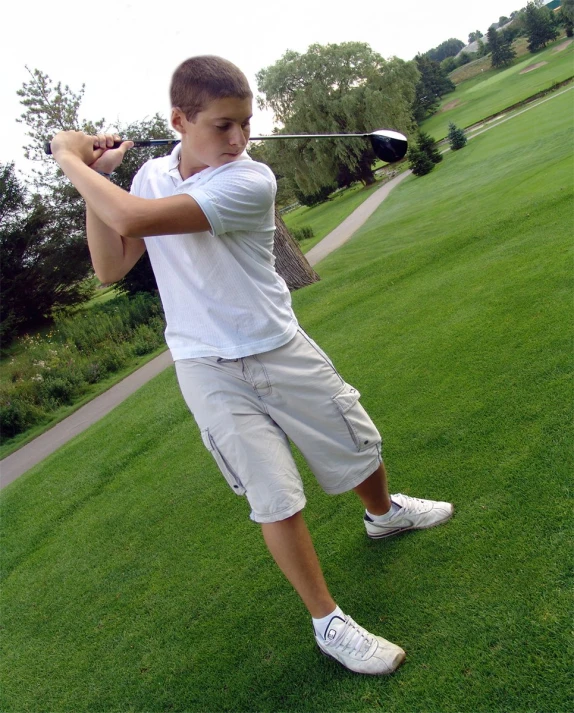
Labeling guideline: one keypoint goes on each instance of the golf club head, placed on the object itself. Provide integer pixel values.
(389, 146)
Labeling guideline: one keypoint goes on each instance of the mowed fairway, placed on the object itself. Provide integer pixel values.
(496, 89)
(134, 581)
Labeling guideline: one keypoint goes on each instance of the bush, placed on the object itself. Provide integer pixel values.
(57, 369)
(303, 233)
(312, 199)
(17, 415)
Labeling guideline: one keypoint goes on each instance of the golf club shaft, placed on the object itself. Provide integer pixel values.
(142, 143)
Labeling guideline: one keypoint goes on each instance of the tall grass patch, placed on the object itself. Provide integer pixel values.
(56, 369)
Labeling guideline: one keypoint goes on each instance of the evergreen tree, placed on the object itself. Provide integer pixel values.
(456, 137)
(501, 48)
(540, 26)
(419, 162)
(427, 145)
(433, 84)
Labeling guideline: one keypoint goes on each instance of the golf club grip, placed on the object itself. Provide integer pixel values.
(138, 143)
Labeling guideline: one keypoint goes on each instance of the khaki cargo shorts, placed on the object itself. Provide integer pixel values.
(247, 410)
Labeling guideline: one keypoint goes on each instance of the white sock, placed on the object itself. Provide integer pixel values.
(381, 518)
(320, 625)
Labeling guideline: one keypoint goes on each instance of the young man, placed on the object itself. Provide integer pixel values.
(250, 375)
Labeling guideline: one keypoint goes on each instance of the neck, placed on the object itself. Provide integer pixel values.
(188, 167)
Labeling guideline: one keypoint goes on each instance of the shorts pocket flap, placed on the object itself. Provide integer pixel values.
(346, 398)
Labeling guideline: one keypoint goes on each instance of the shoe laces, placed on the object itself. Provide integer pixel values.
(353, 639)
(416, 505)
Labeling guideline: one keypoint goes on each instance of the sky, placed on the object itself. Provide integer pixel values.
(125, 52)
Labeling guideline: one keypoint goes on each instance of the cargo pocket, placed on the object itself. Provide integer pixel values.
(362, 430)
(228, 472)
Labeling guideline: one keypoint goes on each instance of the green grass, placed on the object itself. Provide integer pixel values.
(133, 580)
(496, 89)
(326, 216)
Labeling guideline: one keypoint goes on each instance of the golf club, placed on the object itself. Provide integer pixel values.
(389, 146)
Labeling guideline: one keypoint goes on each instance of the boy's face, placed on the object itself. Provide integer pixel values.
(218, 134)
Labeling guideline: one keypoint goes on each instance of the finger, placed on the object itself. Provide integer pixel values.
(126, 146)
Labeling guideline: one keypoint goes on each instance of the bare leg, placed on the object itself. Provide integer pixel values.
(374, 492)
(290, 544)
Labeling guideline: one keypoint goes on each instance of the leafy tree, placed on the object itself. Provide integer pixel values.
(50, 108)
(501, 49)
(449, 64)
(566, 16)
(339, 88)
(38, 268)
(433, 84)
(456, 137)
(449, 48)
(476, 35)
(567, 9)
(463, 58)
(540, 26)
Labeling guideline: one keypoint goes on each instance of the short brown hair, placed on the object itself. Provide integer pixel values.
(201, 79)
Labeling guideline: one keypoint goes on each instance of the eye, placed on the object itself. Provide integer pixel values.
(246, 124)
(222, 127)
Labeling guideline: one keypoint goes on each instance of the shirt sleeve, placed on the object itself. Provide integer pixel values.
(238, 196)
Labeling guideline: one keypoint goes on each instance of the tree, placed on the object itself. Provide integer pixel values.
(37, 267)
(567, 9)
(449, 64)
(456, 137)
(423, 155)
(344, 88)
(540, 26)
(448, 48)
(566, 16)
(500, 48)
(433, 84)
(474, 36)
(427, 144)
(419, 163)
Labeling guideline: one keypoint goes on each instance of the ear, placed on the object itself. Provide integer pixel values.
(178, 120)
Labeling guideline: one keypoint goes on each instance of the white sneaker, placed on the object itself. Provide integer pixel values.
(356, 649)
(413, 514)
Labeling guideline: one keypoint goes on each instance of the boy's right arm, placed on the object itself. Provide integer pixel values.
(113, 256)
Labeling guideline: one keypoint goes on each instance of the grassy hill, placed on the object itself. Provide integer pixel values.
(494, 90)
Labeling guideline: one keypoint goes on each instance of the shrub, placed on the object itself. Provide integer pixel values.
(16, 414)
(303, 233)
(55, 370)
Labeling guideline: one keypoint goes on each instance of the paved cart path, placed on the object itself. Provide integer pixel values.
(32, 453)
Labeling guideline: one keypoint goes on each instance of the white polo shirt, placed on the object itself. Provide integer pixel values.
(220, 291)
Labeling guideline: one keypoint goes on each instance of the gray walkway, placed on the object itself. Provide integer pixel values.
(29, 455)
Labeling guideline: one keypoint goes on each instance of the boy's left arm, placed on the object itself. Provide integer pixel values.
(128, 215)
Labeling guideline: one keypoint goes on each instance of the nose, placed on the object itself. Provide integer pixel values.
(237, 137)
